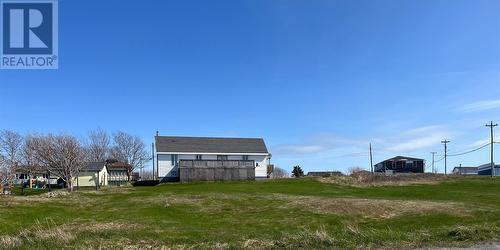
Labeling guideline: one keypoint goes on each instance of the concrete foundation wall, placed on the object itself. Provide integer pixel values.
(207, 170)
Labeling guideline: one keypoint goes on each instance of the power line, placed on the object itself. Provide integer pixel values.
(442, 158)
(470, 151)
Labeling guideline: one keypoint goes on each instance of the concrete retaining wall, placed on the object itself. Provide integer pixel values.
(211, 170)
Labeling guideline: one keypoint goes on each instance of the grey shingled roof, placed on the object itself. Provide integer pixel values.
(93, 166)
(210, 145)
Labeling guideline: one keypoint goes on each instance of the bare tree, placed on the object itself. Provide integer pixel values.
(355, 170)
(61, 155)
(279, 173)
(99, 145)
(10, 151)
(147, 175)
(4, 172)
(129, 149)
(29, 162)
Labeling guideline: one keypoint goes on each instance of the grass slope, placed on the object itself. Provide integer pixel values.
(302, 213)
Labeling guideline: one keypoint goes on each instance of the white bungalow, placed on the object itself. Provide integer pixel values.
(171, 150)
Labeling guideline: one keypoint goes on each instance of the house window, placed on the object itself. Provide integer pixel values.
(245, 157)
(198, 157)
(222, 157)
(175, 158)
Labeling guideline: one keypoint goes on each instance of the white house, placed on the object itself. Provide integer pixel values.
(170, 150)
(465, 170)
(93, 174)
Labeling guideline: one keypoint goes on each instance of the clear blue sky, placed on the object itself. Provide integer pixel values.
(318, 80)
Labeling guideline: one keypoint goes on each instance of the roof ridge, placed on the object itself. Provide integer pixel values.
(208, 137)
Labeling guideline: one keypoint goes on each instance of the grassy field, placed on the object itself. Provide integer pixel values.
(299, 213)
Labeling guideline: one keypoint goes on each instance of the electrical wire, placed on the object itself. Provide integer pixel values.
(470, 151)
(442, 158)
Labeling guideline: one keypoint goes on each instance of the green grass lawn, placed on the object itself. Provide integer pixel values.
(302, 213)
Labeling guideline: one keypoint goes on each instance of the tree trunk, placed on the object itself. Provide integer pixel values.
(70, 184)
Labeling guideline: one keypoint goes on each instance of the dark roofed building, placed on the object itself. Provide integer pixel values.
(485, 169)
(401, 164)
(119, 172)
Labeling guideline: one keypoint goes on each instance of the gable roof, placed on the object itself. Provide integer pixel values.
(118, 166)
(210, 145)
(401, 158)
(34, 169)
(94, 166)
(487, 166)
(466, 168)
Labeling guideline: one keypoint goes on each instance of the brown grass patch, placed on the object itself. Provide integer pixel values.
(7, 241)
(371, 208)
(379, 179)
(257, 244)
(48, 230)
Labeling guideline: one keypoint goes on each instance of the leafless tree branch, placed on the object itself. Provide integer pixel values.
(99, 145)
(62, 155)
(129, 149)
(10, 150)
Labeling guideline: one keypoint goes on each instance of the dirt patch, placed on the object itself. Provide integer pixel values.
(108, 190)
(205, 202)
(378, 179)
(370, 208)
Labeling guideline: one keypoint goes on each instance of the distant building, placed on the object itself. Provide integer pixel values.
(400, 164)
(485, 169)
(118, 172)
(23, 175)
(93, 174)
(324, 173)
(465, 170)
(135, 176)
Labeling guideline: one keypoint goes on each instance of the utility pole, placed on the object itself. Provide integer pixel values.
(153, 159)
(491, 125)
(433, 169)
(445, 142)
(371, 158)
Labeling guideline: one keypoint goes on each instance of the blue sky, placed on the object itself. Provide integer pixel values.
(318, 80)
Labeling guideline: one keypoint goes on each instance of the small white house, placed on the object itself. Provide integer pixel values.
(170, 150)
(465, 170)
(94, 174)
